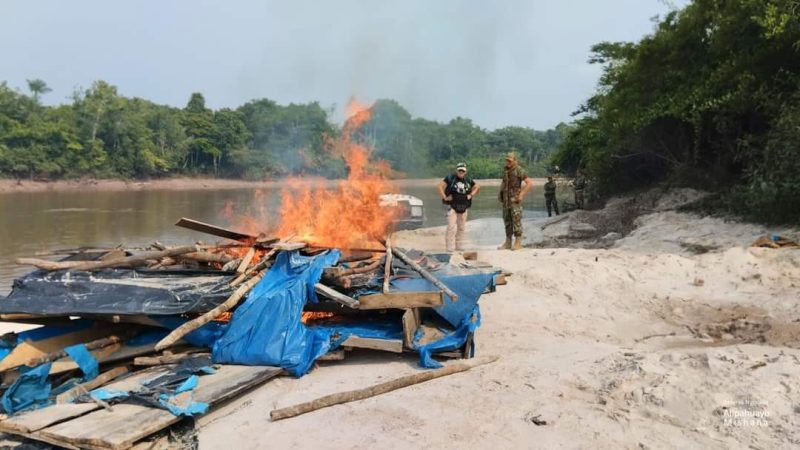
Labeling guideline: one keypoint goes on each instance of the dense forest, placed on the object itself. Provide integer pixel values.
(710, 99)
(103, 134)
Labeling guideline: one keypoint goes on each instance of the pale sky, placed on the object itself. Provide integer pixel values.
(505, 62)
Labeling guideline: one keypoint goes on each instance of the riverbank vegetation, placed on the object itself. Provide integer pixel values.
(710, 99)
(102, 134)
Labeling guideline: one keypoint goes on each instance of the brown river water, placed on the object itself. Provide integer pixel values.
(32, 222)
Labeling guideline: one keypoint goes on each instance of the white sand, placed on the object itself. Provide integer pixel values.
(575, 330)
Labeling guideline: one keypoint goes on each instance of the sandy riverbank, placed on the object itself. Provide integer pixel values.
(652, 342)
(181, 184)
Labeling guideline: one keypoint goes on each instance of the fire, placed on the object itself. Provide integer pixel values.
(348, 215)
(310, 316)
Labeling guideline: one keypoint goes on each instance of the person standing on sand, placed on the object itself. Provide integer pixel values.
(550, 196)
(512, 191)
(457, 191)
(579, 184)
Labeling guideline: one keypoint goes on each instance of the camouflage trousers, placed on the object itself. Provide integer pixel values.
(512, 217)
(579, 198)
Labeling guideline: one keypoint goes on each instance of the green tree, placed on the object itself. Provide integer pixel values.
(38, 88)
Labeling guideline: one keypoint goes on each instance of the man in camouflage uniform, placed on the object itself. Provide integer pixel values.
(579, 183)
(550, 196)
(512, 191)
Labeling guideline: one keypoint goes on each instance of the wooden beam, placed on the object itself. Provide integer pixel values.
(336, 355)
(387, 345)
(165, 359)
(401, 300)
(214, 230)
(248, 257)
(288, 246)
(335, 295)
(411, 322)
(387, 268)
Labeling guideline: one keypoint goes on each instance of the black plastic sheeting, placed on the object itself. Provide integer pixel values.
(117, 291)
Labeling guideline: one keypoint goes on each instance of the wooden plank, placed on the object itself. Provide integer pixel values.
(500, 279)
(387, 345)
(288, 246)
(251, 252)
(29, 350)
(470, 256)
(214, 230)
(336, 295)
(103, 378)
(126, 424)
(401, 300)
(41, 418)
(411, 322)
(336, 355)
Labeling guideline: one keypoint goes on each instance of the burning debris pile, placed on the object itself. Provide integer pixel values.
(145, 336)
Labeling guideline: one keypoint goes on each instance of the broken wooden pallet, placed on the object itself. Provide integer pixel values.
(88, 426)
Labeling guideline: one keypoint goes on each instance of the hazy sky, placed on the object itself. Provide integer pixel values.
(509, 62)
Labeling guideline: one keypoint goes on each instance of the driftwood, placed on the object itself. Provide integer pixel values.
(336, 295)
(198, 322)
(129, 261)
(387, 268)
(101, 379)
(425, 274)
(93, 345)
(378, 389)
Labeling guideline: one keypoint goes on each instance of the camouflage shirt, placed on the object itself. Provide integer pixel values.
(512, 185)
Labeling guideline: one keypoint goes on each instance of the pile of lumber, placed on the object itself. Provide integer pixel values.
(78, 420)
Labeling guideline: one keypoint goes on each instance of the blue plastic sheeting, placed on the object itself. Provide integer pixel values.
(468, 287)
(204, 336)
(30, 390)
(339, 331)
(87, 363)
(37, 334)
(266, 329)
(452, 340)
(108, 394)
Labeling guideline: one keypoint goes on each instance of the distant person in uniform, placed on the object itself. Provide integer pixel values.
(512, 191)
(457, 191)
(579, 184)
(550, 196)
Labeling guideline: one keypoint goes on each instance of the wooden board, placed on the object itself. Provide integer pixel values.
(387, 345)
(28, 350)
(411, 321)
(401, 300)
(288, 246)
(214, 230)
(126, 424)
(41, 418)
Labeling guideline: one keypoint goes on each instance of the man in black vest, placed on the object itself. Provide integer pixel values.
(457, 190)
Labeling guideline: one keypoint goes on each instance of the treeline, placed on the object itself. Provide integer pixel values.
(103, 134)
(710, 99)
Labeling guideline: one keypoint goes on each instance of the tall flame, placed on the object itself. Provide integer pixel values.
(349, 215)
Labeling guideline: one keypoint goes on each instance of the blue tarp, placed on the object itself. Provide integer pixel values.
(30, 390)
(266, 329)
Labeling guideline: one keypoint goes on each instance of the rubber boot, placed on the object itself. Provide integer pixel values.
(506, 245)
(517, 243)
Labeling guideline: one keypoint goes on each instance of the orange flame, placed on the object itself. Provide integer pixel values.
(348, 215)
(311, 316)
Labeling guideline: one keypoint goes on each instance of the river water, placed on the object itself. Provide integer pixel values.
(40, 221)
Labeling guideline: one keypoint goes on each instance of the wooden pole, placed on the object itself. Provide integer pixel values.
(129, 261)
(378, 389)
(93, 345)
(425, 274)
(103, 378)
(387, 269)
(198, 322)
(336, 295)
(165, 359)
